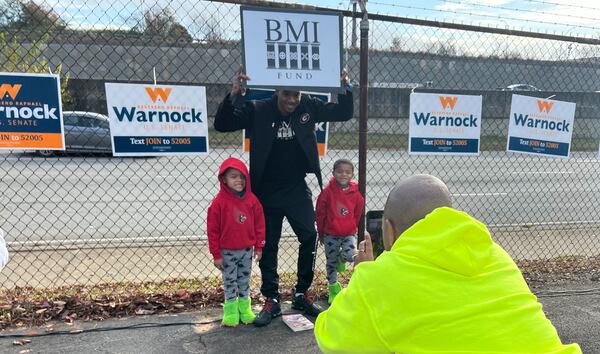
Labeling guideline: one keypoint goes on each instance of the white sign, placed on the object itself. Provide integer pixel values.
(444, 124)
(292, 49)
(157, 120)
(540, 127)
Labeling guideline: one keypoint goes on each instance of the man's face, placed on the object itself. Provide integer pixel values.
(389, 234)
(287, 101)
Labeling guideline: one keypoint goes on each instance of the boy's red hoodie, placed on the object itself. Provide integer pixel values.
(235, 222)
(339, 211)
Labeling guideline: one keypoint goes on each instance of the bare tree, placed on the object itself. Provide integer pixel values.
(212, 31)
(162, 23)
(397, 44)
(448, 49)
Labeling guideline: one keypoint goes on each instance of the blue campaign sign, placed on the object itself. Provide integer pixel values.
(321, 128)
(30, 112)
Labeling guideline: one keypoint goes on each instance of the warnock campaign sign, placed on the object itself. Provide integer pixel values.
(321, 128)
(157, 120)
(30, 112)
(444, 124)
(540, 127)
(292, 48)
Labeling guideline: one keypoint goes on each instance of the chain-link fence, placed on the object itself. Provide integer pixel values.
(91, 218)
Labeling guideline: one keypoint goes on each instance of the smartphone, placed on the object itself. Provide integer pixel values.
(375, 222)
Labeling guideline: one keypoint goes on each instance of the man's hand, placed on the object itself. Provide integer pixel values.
(344, 77)
(365, 251)
(257, 255)
(238, 79)
(218, 263)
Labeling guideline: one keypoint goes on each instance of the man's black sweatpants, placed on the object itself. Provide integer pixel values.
(301, 217)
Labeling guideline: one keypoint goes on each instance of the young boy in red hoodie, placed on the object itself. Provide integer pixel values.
(236, 229)
(339, 209)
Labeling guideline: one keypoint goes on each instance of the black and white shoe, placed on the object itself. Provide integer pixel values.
(270, 310)
(305, 303)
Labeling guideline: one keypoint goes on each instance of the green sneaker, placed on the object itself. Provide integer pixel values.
(334, 289)
(246, 314)
(231, 314)
(341, 265)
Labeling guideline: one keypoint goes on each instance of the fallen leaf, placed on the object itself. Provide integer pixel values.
(25, 351)
(181, 293)
(40, 311)
(143, 312)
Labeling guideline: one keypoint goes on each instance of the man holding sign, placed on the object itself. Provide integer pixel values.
(283, 150)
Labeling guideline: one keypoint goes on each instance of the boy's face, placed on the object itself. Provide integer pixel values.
(235, 180)
(343, 173)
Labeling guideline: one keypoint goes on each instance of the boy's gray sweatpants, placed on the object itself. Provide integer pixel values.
(237, 268)
(336, 247)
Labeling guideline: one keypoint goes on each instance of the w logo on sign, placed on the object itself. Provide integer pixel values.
(156, 92)
(9, 90)
(448, 101)
(544, 106)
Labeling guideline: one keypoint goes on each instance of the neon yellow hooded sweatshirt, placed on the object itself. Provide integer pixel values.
(445, 287)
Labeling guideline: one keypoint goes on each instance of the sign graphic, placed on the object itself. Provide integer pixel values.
(149, 120)
(540, 127)
(30, 112)
(444, 124)
(292, 49)
(321, 128)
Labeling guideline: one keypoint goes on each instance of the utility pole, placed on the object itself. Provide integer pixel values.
(363, 113)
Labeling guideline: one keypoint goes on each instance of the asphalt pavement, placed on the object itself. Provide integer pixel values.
(574, 309)
(73, 200)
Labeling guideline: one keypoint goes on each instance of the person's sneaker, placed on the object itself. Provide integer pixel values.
(334, 289)
(305, 303)
(341, 266)
(270, 310)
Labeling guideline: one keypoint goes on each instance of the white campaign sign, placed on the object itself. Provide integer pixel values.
(157, 120)
(444, 124)
(292, 49)
(540, 127)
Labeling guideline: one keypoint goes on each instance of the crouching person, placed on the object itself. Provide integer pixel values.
(236, 232)
(443, 286)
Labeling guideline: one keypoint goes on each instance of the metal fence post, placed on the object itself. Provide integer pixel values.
(364, 90)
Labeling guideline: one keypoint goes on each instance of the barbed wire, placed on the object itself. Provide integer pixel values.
(483, 15)
(562, 4)
(523, 10)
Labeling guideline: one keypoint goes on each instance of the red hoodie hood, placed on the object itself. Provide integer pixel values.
(232, 162)
(353, 186)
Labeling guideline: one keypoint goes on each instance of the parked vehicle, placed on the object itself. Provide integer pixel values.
(85, 132)
(520, 87)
